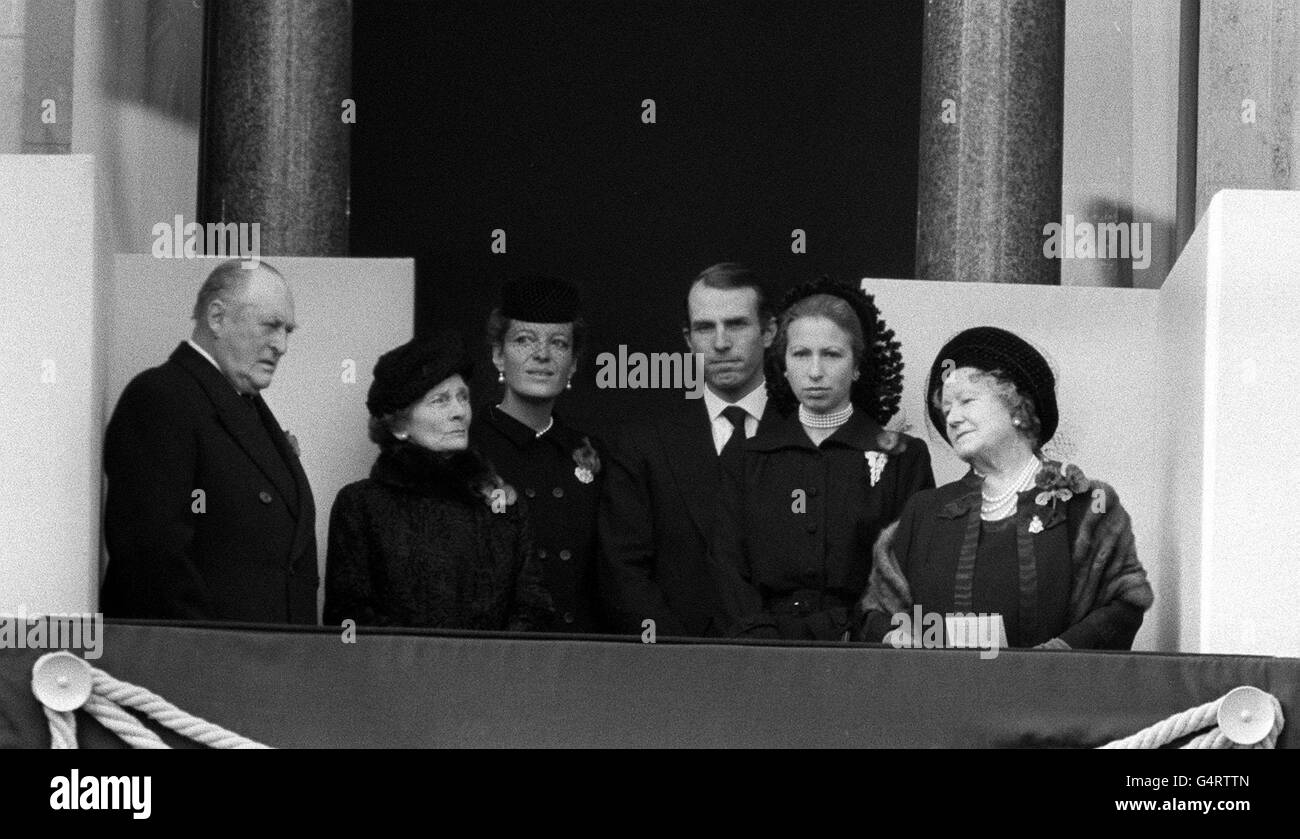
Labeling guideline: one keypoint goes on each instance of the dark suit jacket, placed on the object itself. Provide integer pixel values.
(655, 522)
(245, 548)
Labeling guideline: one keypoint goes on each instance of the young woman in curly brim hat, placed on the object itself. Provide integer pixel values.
(806, 498)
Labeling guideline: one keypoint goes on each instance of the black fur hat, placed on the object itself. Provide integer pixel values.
(880, 385)
(405, 374)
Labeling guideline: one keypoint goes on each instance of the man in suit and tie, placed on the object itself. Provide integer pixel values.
(209, 515)
(656, 511)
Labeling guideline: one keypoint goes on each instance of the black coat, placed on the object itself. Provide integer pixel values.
(209, 515)
(561, 505)
(797, 523)
(415, 544)
(655, 521)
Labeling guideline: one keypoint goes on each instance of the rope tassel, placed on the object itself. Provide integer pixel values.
(63, 683)
(1244, 718)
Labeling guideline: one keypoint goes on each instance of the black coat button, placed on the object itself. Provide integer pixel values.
(541, 554)
(558, 492)
(812, 492)
(264, 497)
(566, 554)
(530, 492)
(568, 617)
(812, 528)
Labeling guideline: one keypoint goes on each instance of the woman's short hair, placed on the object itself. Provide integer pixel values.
(828, 306)
(877, 356)
(1020, 405)
(381, 428)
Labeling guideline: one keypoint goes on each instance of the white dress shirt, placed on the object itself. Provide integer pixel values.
(753, 405)
(203, 353)
(209, 357)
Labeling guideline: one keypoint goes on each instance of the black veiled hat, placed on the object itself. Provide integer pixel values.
(405, 374)
(538, 299)
(988, 348)
(880, 387)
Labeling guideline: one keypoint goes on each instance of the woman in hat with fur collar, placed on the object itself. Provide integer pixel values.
(537, 337)
(434, 537)
(1032, 541)
(804, 502)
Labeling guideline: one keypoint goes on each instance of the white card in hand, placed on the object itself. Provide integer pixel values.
(974, 631)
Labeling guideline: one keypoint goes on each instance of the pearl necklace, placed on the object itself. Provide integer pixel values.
(549, 422)
(998, 507)
(832, 420)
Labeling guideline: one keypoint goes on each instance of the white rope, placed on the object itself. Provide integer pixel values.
(106, 703)
(63, 728)
(1194, 719)
(116, 692)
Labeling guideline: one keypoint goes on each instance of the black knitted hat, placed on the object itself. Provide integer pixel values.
(538, 299)
(880, 387)
(989, 348)
(405, 374)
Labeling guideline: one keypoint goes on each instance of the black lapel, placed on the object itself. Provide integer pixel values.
(687, 439)
(244, 425)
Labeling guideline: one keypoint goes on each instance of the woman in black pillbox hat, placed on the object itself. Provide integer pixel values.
(803, 504)
(537, 337)
(434, 537)
(1032, 541)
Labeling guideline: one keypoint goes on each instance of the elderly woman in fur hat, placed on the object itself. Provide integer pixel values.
(434, 537)
(1030, 540)
(802, 506)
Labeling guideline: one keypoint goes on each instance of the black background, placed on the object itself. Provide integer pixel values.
(527, 117)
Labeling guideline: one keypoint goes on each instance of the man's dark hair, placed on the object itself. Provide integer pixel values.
(726, 275)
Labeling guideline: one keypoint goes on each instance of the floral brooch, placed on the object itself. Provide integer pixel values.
(877, 461)
(499, 495)
(889, 442)
(1059, 481)
(588, 462)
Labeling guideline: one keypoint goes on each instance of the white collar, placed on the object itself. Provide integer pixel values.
(204, 353)
(754, 403)
(212, 360)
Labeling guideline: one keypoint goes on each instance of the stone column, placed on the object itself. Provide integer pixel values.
(274, 148)
(1249, 116)
(990, 161)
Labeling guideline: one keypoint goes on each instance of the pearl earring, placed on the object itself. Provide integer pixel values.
(568, 385)
(401, 435)
(501, 377)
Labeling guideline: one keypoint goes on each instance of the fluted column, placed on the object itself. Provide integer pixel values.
(990, 161)
(1249, 114)
(274, 147)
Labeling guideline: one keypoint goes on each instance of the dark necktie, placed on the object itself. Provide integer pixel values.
(731, 450)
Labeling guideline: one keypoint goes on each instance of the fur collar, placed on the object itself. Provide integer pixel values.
(463, 475)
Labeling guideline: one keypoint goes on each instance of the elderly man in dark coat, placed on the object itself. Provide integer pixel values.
(209, 514)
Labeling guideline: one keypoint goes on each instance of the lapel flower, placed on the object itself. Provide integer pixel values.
(499, 494)
(1059, 481)
(293, 444)
(588, 462)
